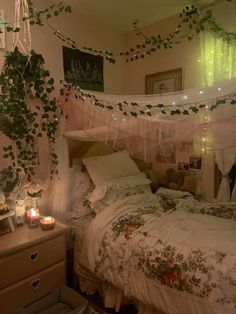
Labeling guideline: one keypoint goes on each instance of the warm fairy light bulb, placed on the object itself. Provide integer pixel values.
(205, 117)
(219, 88)
(199, 60)
(185, 97)
(204, 139)
(201, 92)
(203, 150)
(206, 107)
(173, 103)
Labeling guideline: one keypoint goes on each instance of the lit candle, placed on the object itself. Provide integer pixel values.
(47, 222)
(33, 217)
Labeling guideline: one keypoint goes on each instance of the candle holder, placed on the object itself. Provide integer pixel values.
(47, 223)
(33, 217)
(20, 212)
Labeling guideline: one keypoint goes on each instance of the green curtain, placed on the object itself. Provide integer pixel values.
(217, 57)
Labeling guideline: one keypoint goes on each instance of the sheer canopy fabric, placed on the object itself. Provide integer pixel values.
(143, 136)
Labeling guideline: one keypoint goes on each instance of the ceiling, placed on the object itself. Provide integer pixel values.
(120, 14)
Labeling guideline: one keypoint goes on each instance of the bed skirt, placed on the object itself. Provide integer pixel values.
(112, 296)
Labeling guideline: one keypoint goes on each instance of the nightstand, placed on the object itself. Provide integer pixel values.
(32, 264)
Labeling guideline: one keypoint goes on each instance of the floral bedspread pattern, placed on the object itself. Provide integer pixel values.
(170, 243)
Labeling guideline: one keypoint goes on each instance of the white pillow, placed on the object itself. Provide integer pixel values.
(105, 168)
(169, 193)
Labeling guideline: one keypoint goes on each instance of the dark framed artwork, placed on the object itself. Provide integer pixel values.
(195, 163)
(164, 82)
(83, 69)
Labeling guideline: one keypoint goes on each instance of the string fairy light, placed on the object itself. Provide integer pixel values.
(135, 109)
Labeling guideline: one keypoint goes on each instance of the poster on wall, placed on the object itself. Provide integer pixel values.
(2, 30)
(83, 69)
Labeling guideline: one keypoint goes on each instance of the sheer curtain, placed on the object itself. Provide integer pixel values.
(225, 160)
(217, 56)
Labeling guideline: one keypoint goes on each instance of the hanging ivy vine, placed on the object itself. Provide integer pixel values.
(27, 112)
(190, 24)
(133, 109)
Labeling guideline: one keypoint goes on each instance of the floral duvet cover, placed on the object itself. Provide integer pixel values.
(170, 245)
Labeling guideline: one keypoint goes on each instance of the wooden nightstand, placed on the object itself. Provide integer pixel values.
(32, 263)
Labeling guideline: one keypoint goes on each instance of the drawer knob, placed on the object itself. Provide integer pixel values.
(34, 256)
(35, 283)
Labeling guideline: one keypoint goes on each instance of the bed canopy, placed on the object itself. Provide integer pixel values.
(204, 118)
(144, 125)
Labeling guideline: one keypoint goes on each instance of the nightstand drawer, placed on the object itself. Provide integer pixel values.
(29, 261)
(27, 291)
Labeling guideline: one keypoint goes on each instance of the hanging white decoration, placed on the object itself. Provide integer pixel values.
(21, 11)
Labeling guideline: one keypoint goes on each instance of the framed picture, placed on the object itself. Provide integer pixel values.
(2, 30)
(164, 82)
(195, 163)
(83, 69)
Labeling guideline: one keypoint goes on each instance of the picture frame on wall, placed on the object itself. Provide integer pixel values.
(83, 69)
(164, 82)
(195, 163)
(2, 30)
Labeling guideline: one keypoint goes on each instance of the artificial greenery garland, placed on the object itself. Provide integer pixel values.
(190, 24)
(124, 106)
(27, 112)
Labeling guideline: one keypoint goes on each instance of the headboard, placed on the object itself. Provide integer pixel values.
(79, 149)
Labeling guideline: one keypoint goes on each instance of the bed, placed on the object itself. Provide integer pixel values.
(166, 252)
